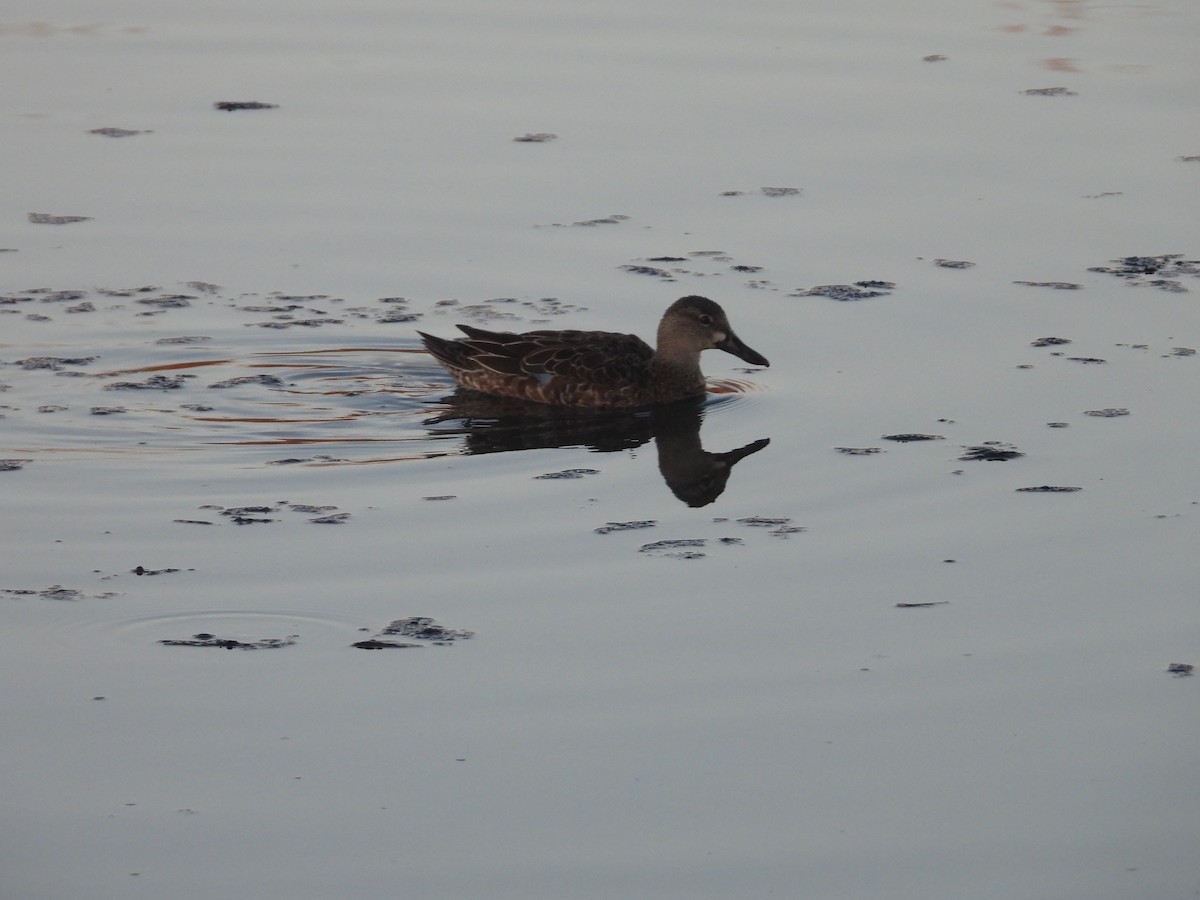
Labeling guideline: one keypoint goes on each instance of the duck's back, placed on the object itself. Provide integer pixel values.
(570, 368)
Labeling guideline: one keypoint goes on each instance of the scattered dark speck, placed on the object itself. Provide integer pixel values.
(1049, 489)
(423, 628)
(610, 527)
(675, 549)
(234, 105)
(614, 219)
(991, 451)
(47, 219)
(862, 290)
(786, 530)
(269, 380)
(909, 438)
(249, 515)
(54, 363)
(211, 640)
(167, 301)
(154, 382)
(376, 644)
(1050, 92)
(1168, 267)
(184, 339)
(117, 132)
(646, 270)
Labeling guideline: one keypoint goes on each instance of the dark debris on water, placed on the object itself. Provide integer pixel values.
(1167, 268)
(268, 380)
(54, 592)
(1050, 92)
(860, 290)
(679, 548)
(420, 628)
(153, 383)
(235, 105)
(54, 363)
(610, 527)
(265, 515)
(48, 219)
(991, 451)
(911, 437)
(1056, 285)
(204, 639)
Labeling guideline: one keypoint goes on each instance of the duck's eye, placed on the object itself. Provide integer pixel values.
(705, 319)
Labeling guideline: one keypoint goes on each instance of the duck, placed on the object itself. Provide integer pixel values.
(594, 369)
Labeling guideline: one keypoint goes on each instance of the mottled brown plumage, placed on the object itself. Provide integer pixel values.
(599, 369)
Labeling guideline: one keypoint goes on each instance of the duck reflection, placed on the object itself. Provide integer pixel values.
(495, 425)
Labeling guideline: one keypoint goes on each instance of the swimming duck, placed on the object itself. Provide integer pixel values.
(595, 369)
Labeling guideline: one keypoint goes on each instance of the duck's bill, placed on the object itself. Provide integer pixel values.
(733, 344)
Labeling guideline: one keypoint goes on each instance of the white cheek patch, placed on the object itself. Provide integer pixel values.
(719, 336)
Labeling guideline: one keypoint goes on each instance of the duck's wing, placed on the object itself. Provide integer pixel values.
(595, 357)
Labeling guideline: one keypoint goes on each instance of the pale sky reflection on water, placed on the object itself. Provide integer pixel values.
(703, 706)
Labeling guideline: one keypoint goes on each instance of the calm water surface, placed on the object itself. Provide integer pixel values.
(848, 666)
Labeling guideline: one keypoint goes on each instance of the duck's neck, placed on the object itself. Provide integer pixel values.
(677, 368)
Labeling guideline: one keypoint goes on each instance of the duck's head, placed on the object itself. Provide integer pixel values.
(694, 324)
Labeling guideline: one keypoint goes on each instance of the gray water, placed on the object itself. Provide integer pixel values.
(883, 673)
